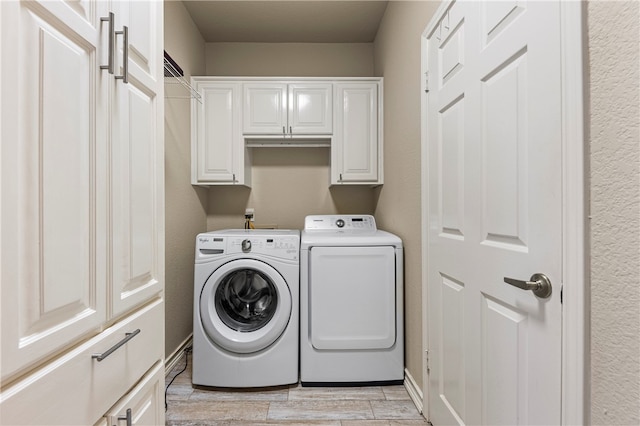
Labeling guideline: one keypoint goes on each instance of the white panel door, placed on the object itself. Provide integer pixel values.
(265, 109)
(137, 157)
(310, 107)
(494, 149)
(219, 147)
(352, 298)
(53, 177)
(354, 149)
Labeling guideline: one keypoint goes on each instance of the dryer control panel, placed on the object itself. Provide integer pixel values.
(340, 222)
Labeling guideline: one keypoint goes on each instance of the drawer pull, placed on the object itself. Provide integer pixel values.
(127, 417)
(115, 347)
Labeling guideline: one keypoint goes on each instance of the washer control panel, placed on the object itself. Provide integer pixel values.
(340, 222)
(282, 246)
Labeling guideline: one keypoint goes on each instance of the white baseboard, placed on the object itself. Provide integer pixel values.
(177, 355)
(415, 393)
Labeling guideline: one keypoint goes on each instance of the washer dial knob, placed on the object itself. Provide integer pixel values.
(340, 223)
(246, 246)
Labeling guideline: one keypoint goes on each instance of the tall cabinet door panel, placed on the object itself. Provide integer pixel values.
(355, 151)
(52, 178)
(217, 139)
(136, 153)
(144, 53)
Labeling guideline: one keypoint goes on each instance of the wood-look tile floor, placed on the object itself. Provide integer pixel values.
(287, 405)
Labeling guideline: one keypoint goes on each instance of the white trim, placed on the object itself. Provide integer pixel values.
(172, 360)
(575, 327)
(424, 160)
(279, 79)
(431, 26)
(414, 391)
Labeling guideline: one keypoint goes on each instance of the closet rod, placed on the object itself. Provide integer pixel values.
(172, 70)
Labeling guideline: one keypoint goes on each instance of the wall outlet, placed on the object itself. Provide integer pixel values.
(250, 213)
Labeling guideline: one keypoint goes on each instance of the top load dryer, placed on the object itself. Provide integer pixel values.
(351, 302)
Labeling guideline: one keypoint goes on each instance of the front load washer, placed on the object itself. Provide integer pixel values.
(246, 307)
(351, 302)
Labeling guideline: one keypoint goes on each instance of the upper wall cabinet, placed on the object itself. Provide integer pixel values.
(356, 148)
(239, 114)
(272, 108)
(219, 156)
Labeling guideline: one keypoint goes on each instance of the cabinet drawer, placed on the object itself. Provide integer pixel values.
(145, 401)
(78, 389)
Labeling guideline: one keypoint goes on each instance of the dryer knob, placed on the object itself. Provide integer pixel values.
(246, 246)
(340, 223)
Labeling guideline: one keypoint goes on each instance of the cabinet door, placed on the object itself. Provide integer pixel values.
(217, 145)
(355, 149)
(310, 109)
(137, 158)
(265, 109)
(144, 405)
(53, 220)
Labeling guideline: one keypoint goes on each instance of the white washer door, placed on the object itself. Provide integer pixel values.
(245, 306)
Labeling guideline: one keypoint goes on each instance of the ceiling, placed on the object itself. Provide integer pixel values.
(301, 21)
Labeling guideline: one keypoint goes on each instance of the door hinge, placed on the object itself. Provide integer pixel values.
(426, 82)
(561, 294)
(426, 360)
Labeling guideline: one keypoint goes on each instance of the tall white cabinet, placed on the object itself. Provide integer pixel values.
(81, 208)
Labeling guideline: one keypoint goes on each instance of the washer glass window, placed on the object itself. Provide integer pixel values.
(246, 300)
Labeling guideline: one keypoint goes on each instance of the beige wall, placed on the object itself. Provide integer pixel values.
(185, 204)
(290, 59)
(288, 183)
(397, 58)
(614, 43)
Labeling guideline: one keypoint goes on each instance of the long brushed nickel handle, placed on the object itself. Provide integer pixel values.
(112, 35)
(129, 336)
(125, 55)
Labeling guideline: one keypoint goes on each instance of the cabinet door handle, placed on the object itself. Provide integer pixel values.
(128, 336)
(127, 417)
(125, 55)
(284, 131)
(112, 36)
(290, 130)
